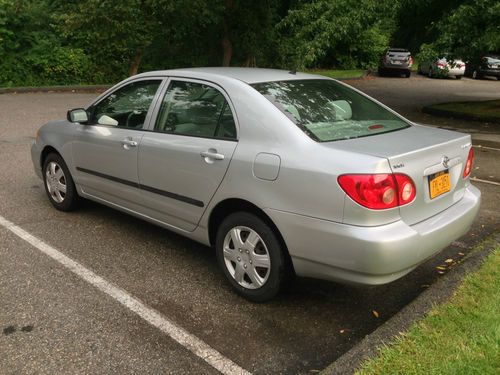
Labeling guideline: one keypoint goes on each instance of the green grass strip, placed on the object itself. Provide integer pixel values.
(461, 336)
(489, 108)
(338, 74)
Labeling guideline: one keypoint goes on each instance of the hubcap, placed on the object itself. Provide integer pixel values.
(246, 257)
(55, 181)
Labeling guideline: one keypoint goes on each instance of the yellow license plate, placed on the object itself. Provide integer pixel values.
(439, 183)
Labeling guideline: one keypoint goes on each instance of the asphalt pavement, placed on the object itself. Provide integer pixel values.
(53, 321)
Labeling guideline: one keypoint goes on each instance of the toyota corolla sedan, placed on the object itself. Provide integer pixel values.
(442, 67)
(283, 173)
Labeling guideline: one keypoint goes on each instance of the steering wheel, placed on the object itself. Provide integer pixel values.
(135, 112)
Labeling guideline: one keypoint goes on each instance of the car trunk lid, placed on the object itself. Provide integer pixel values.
(422, 153)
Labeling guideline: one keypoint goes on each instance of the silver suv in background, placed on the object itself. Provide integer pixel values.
(396, 61)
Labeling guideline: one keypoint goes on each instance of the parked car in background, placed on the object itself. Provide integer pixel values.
(396, 61)
(281, 172)
(488, 65)
(442, 68)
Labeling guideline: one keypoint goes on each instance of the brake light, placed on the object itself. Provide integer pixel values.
(469, 163)
(378, 191)
(441, 65)
(411, 61)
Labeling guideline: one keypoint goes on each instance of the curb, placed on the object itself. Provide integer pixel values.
(439, 292)
(458, 115)
(23, 90)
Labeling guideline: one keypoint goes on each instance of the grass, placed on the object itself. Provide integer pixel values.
(461, 336)
(484, 110)
(338, 74)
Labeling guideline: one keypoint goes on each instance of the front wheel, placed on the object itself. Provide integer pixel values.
(59, 184)
(251, 256)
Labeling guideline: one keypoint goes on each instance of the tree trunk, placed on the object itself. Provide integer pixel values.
(136, 62)
(227, 48)
(227, 45)
(251, 61)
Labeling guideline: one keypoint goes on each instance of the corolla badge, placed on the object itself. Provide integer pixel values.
(445, 161)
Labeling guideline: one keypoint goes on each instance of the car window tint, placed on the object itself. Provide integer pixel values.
(328, 111)
(190, 108)
(126, 107)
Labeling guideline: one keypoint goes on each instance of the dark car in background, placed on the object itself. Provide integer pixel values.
(396, 61)
(488, 65)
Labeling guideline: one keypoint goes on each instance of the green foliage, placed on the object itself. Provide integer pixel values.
(345, 33)
(31, 52)
(471, 30)
(45, 42)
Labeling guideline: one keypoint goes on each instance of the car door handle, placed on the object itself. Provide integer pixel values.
(211, 155)
(128, 143)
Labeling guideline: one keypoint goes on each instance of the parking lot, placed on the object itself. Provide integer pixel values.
(55, 321)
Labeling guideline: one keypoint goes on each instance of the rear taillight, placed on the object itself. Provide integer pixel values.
(378, 191)
(441, 65)
(411, 61)
(469, 163)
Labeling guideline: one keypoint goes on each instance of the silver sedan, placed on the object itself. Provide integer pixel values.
(284, 173)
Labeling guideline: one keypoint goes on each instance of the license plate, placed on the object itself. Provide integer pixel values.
(439, 183)
(397, 62)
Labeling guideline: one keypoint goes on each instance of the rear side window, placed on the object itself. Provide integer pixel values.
(195, 109)
(328, 111)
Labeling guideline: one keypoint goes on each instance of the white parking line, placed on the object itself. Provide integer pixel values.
(153, 317)
(485, 181)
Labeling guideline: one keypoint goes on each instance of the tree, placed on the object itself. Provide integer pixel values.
(115, 34)
(345, 33)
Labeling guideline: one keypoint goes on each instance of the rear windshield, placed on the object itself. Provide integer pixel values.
(329, 111)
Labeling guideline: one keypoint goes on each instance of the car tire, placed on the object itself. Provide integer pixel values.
(458, 77)
(476, 74)
(243, 241)
(59, 184)
(381, 72)
(407, 74)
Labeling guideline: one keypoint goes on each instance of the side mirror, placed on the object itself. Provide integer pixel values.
(78, 115)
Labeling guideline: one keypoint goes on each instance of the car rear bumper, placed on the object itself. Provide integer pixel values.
(371, 255)
(396, 67)
(453, 72)
(491, 72)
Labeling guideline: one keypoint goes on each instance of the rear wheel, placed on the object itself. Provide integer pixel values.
(251, 256)
(476, 74)
(458, 77)
(59, 184)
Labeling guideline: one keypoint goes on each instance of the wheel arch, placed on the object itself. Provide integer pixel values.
(232, 205)
(45, 152)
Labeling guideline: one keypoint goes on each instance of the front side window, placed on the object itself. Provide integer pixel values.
(328, 111)
(126, 107)
(195, 109)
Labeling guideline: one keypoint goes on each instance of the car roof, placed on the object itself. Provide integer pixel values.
(248, 75)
